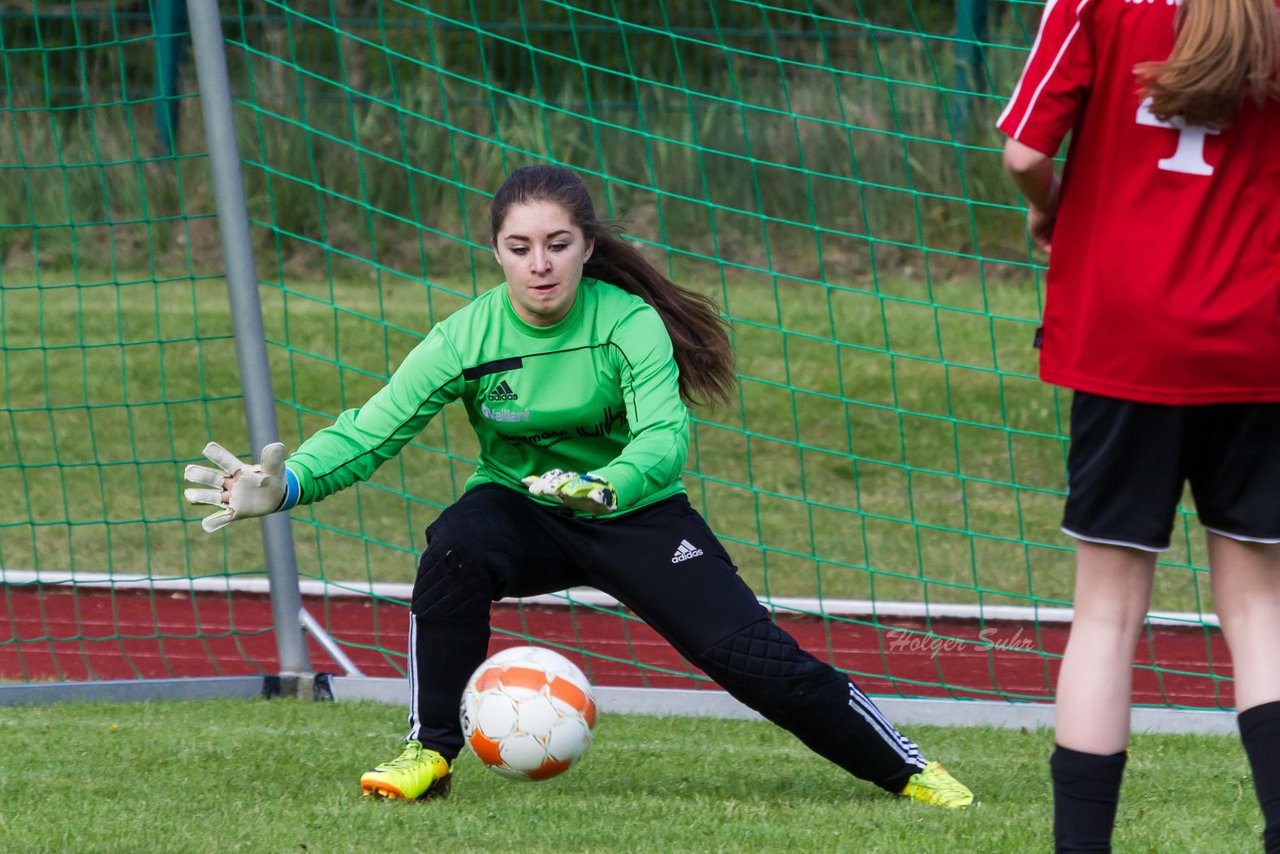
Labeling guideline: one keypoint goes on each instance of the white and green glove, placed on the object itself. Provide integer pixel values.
(585, 493)
(254, 490)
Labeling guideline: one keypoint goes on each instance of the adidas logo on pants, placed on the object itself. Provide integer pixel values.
(685, 551)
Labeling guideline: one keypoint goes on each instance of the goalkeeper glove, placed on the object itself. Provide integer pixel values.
(585, 493)
(253, 491)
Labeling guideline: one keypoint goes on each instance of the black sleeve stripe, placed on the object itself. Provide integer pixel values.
(486, 368)
(515, 362)
(511, 363)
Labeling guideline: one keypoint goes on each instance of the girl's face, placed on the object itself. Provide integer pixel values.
(541, 252)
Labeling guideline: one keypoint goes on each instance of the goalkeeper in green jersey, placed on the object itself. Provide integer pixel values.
(575, 375)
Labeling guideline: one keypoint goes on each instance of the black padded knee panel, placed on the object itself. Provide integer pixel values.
(460, 573)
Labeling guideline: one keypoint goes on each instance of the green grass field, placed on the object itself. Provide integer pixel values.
(889, 440)
(281, 775)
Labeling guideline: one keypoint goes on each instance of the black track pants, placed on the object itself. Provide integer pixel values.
(663, 563)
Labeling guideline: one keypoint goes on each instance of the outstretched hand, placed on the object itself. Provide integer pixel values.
(240, 491)
(585, 493)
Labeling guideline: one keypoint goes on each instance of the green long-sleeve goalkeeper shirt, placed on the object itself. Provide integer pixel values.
(596, 392)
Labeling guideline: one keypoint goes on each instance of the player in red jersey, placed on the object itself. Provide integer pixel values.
(1163, 316)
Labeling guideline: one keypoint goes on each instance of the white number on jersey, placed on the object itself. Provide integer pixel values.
(1189, 157)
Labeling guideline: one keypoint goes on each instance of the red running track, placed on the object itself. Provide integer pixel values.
(63, 633)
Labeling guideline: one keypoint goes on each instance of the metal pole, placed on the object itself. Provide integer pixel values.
(313, 627)
(246, 314)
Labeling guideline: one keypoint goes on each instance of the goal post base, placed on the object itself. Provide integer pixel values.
(303, 686)
(132, 690)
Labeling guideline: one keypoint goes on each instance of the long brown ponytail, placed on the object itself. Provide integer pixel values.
(1225, 51)
(699, 335)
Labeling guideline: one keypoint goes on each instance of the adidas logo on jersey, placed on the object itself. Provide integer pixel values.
(502, 392)
(685, 551)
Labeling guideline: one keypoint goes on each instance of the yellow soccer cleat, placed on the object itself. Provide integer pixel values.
(417, 774)
(934, 785)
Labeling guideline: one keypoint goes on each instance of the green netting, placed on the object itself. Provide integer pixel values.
(827, 172)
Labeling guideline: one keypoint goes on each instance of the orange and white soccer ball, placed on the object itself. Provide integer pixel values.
(528, 713)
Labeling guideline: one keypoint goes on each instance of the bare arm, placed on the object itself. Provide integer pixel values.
(1032, 173)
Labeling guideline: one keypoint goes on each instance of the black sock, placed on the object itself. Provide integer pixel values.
(1086, 789)
(1260, 732)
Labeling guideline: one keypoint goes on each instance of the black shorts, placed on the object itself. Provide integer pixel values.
(1129, 461)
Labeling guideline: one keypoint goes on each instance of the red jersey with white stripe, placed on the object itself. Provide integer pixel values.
(1164, 277)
